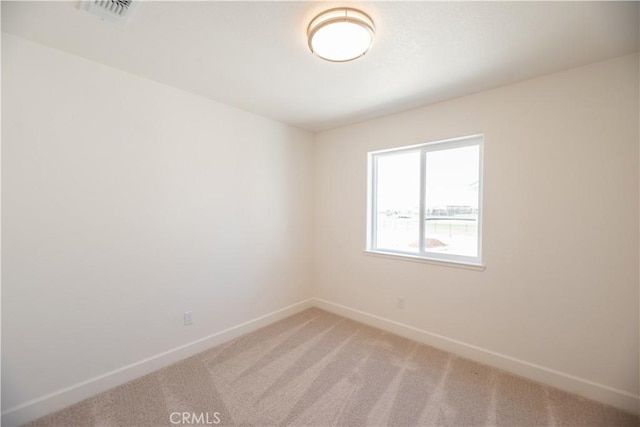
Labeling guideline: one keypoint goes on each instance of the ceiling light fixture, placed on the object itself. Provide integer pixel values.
(341, 35)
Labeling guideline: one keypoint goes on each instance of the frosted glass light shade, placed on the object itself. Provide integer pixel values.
(340, 35)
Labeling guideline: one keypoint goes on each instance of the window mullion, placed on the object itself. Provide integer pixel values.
(422, 209)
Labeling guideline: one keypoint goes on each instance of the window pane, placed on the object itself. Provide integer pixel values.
(451, 201)
(398, 202)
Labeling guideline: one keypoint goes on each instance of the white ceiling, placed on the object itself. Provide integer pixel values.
(254, 55)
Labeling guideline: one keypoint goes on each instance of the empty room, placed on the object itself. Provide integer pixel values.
(307, 213)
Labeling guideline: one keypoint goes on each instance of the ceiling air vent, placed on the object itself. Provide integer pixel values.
(118, 11)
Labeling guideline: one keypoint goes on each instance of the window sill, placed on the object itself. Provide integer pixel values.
(411, 258)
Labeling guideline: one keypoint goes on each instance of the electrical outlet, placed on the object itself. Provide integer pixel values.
(400, 302)
(187, 318)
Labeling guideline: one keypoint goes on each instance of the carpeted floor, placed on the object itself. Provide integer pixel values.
(319, 369)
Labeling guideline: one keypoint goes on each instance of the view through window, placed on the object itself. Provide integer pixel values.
(425, 200)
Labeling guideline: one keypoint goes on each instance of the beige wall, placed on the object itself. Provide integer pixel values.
(560, 289)
(127, 203)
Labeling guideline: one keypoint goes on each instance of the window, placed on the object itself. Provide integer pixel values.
(426, 201)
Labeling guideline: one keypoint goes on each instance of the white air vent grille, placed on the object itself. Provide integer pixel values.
(117, 7)
(111, 10)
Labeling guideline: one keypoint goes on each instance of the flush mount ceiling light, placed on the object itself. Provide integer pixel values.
(341, 35)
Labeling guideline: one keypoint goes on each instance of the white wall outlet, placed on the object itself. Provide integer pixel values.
(400, 302)
(188, 319)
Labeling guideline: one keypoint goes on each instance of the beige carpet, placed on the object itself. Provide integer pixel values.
(319, 369)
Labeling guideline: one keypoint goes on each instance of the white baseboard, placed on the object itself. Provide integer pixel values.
(561, 380)
(59, 399)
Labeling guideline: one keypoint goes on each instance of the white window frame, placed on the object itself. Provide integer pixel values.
(423, 149)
